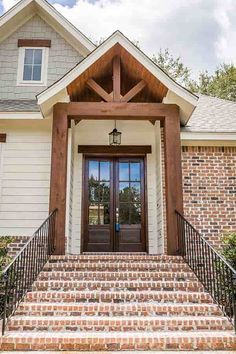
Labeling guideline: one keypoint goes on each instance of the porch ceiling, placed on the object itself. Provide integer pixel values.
(132, 72)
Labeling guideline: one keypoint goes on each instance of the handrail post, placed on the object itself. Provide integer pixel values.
(209, 266)
(19, 275)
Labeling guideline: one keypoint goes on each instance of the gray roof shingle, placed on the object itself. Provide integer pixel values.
(212, 114)
(19, 106)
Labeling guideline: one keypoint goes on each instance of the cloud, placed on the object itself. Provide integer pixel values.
(202, 32)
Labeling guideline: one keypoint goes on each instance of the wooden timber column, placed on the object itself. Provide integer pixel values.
(59, 173)
(173, 177)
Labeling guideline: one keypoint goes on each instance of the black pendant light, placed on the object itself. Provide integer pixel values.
(115, 137)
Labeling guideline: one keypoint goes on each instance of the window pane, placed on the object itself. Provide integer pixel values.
(124, 191)
(104, 214)
(93, 191)
(27, 75)
(29, 54)
(105, 191)
(38, 53)
(135, 190)
(124, 171)
(93, 214)
(105, 171)
(135, 171)
(135, 214)
(124, 213)
(93, 170)
(37, 73)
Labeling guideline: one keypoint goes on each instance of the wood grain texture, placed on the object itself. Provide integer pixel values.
(34, 43)
(3, 138)
(58, 174)
(116, 78)
(118, 150)
(173, 178)
(99, 90)
(123, 111)
(134, 91)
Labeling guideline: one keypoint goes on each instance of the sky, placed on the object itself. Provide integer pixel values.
(202, 32)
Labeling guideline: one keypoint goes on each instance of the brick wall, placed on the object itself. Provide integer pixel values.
(209, 187)
(15, 246)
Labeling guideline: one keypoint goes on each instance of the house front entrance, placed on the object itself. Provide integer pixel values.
(114, 204)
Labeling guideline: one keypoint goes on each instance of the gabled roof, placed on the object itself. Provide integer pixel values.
(25, 9)
(212, 114)
(177, 94)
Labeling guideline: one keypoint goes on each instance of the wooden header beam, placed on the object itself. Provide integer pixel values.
(119, 111)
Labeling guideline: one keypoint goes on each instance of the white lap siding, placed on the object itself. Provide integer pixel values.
(25, 176)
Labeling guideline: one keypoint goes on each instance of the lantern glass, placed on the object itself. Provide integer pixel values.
(115, 137)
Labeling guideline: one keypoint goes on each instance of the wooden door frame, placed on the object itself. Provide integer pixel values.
(89, 155)
(167, 114)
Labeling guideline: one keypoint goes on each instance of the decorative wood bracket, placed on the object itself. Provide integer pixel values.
(99, 90)
(134, 91)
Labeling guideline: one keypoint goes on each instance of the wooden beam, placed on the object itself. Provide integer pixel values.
(99, 90)
(116, 78)
(134, 91)
(173, 179)
(122, 111)
(34, 43)
(58, 173)
(3, 138)
(117, 150)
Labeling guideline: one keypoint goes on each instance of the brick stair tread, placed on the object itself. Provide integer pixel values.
(105, 295)
(126, 257)
(118, 318)
(177, 276)
(122, 352)
(116, 335)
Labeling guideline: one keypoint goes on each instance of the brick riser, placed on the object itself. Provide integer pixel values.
(118, 302)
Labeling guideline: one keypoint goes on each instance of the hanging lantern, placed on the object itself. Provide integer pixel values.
(115, 137)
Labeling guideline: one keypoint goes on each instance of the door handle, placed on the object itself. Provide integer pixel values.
(117, 220)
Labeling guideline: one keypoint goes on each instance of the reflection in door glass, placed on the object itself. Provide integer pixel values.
(135, 214)
(104, 191)
(124, 191)
(135, 171)
(123, 171)
(135, 190)
(93, 214)
(104, 214)
(104, 170)
(124, 213)
(93, 170)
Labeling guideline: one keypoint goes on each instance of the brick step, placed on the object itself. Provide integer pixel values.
(119, 297)
(116, 341)
(142, 276)
(101, 324)
(128, 309)
(117, 257)
(117, 285)
(117, 267)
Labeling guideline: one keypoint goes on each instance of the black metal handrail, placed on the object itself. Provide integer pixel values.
(215, 273)
(18, 277)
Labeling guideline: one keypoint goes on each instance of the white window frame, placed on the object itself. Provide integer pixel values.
(20, 71)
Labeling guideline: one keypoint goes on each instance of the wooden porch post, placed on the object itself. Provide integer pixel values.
(173, 177)
(59, 173)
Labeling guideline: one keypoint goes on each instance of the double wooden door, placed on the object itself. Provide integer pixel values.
(114, 205)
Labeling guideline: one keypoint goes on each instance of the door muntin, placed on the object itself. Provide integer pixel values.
(114, 204)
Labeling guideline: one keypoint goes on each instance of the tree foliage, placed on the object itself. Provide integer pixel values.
(222, 83)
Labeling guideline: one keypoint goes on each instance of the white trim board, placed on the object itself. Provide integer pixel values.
(21, 115)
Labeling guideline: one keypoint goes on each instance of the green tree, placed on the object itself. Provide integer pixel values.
(174, 67)
(222, 83)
